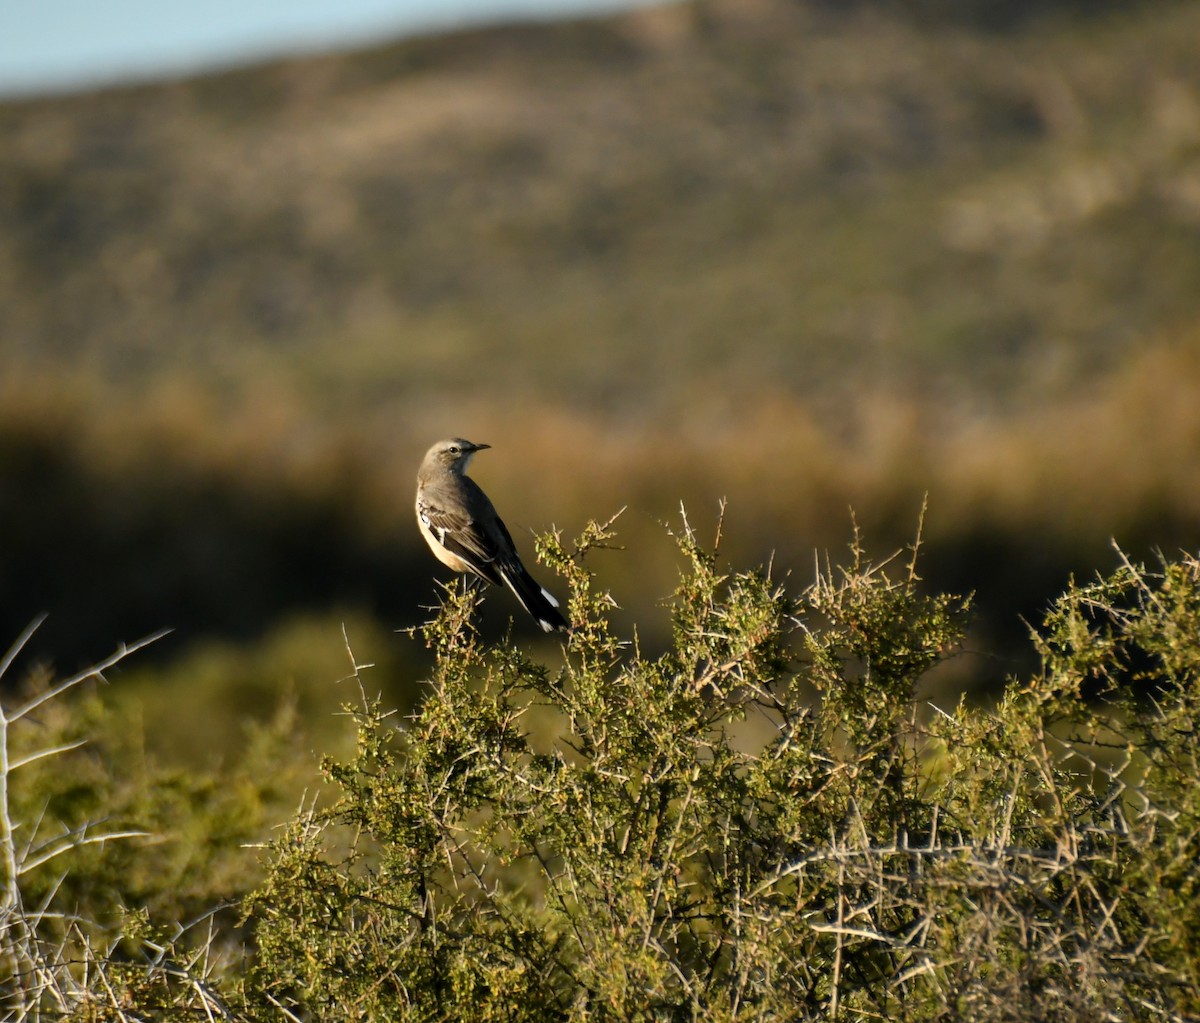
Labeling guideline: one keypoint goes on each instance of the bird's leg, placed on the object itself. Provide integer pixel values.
(473, 587)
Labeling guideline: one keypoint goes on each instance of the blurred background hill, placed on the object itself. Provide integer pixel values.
(800, 255)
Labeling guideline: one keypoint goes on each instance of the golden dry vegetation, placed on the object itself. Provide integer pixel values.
(798, 258)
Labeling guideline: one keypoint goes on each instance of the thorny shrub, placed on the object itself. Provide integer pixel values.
(767, 821)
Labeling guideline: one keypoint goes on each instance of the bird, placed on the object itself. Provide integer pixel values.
(461, 526)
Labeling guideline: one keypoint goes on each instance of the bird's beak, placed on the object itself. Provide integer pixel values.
(479, 447)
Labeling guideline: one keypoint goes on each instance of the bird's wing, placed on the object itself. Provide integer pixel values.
(463, 536)
(481, 543)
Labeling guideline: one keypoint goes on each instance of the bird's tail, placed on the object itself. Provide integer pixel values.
(537, 600)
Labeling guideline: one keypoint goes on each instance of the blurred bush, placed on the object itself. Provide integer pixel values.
(800, 259)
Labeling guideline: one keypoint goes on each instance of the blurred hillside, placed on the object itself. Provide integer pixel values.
(798, 255)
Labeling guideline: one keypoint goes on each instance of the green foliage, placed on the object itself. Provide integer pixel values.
(764, 822)
(694, 836)
(120, 873)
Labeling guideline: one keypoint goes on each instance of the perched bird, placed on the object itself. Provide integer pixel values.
(464, 532)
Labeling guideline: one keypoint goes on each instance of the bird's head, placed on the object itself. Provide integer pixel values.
(455, 454)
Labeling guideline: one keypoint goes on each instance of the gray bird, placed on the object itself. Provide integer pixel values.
(465, 533)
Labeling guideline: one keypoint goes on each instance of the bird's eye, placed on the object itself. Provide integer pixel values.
(454, 449)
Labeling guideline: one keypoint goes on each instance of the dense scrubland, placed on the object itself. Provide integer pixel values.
(769, 820)
(804, 257)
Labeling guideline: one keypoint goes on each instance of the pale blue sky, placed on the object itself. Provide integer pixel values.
(57, 45)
